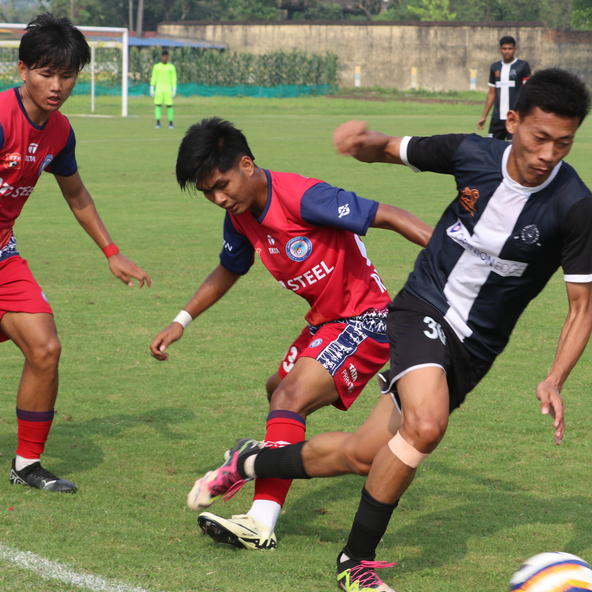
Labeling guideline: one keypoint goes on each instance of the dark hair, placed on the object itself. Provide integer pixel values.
(55, 43)
(507, 40)
(208, 145)
(554, 91)
(164, 52)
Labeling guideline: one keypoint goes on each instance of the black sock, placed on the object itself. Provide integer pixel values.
(369, 526)
(282, 463)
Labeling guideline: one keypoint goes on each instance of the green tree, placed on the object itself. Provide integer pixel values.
(581, 14)
(432, 10)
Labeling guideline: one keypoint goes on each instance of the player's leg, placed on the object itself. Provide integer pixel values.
(425, 405)
(170, 115)
(35, 335)
(158, 101)
(327, 372)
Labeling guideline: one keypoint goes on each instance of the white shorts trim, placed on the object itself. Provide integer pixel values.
(578, 279)
(401, 374)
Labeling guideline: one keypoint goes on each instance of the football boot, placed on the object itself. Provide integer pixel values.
(359, 576)
(242, 531)
(224, 481)
(34, 475)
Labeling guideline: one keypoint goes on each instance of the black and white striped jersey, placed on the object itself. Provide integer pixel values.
(498, 243)
(507, 79)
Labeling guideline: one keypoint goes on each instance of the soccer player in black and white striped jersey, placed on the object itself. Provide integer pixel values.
(506, 78)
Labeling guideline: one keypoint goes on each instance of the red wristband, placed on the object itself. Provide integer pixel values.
(110, 250)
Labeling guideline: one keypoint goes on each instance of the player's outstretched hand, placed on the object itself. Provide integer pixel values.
(481, 123)
(354, 139)
(552, 404)
(124, 269)
(172, 333)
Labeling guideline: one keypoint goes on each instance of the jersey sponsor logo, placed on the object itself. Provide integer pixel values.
(270, 239)
(468, 199)
(504, 267)
(32, 148)
(45, 163)
(23, 191)
(349, 383)
(530, 235)
(299, 248)
(5, 188)
(316, 343)
(274, 251)
(12, 160)
(44, 296)
(312, 276)
(227, 246)
(435, 330)
(343, 210)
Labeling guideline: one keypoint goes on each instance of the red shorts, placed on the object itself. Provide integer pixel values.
(19, 292)
(347, 351)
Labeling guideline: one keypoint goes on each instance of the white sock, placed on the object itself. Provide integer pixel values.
(21, 462)
(265, 511)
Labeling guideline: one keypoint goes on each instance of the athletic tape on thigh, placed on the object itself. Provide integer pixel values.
(406, 453)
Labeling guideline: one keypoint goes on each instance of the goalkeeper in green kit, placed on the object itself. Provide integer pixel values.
(163, 87)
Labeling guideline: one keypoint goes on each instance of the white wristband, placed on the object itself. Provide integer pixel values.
(184, 318)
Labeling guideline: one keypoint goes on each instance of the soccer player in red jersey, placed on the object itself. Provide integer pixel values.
(306, 233)
(35, 136)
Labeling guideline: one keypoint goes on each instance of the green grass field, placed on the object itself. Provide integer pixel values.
(134, 433)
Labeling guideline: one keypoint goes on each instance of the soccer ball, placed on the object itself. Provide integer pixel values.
(553, 572)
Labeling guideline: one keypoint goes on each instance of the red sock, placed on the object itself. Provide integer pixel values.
(283, 428)
(33, 429)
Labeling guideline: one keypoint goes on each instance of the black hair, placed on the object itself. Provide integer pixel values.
(164, 52)
(554, 91)
(208, 145)
(50, 42)
(507, 40)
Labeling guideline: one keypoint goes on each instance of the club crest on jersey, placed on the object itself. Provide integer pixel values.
(45, 163)
(299, 248)
(468, 199)
(12, 161)
(530, 234)
(316, 343)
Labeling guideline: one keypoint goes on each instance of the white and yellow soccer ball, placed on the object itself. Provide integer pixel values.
(552, 572)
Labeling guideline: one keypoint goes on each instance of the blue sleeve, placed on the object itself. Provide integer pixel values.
(325, 205)
(237, 253)
(64, 164)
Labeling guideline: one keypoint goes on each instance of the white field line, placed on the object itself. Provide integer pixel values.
(51, 570)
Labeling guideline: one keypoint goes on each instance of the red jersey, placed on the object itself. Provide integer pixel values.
(308, 238)
(26, 149)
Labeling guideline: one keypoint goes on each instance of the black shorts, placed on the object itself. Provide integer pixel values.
(497, 130)
(419, 337)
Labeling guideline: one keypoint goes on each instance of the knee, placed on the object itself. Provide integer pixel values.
(425, 432)
(286, 397)
(45, 356)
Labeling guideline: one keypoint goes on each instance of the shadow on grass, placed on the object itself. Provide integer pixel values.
(444, 536)
(74, 442)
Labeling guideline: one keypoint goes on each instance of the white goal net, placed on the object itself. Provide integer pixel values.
(106, 78)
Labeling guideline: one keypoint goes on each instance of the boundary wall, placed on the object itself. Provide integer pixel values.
(439, 56)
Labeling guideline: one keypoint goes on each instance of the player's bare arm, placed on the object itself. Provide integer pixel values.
(403, 222)
(488, 105)
(84, 210)
(353, 138)
(211, 290)
(572, 342)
